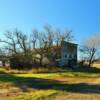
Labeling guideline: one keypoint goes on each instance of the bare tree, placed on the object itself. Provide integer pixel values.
(38, 38)
(49, 41)
(44, 43)
(91, 49)
(17, 45)
(16, 42)
(23, 42)
(10, 42)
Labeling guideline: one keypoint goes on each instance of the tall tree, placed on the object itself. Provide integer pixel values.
(44, 43)
(49, 41)
(91, 49)
(18, 46)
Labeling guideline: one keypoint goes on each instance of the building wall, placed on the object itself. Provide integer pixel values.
(68, 53)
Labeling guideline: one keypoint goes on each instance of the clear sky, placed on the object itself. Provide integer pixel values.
(82, 16)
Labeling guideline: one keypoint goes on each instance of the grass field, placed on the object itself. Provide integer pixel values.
(49, 86)
(96, 65)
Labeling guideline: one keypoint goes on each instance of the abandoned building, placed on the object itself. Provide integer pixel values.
(68, 54)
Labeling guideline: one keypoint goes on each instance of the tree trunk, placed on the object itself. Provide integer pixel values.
(41, 59)
(91, 58)
(3, 63)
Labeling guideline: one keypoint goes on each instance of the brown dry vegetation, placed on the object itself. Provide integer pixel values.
(49, 86)
(96, 65)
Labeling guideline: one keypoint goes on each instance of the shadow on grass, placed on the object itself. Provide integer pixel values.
(87, 69)
(44, 84)
(83, 68)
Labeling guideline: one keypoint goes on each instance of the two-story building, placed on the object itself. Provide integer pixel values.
(68, 53)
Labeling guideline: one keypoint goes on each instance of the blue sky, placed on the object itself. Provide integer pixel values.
(81, 16)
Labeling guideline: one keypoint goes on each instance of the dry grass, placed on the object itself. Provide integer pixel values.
(49, 86)
(34, 70)
(77, 96)
(96, 65)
